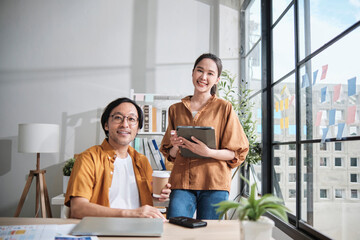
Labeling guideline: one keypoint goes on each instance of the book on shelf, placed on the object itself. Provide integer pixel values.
(148, 154)
(137, 143)
(158, 154)
(163, 120)
(154, 155)
(155, 118)
(146, 118)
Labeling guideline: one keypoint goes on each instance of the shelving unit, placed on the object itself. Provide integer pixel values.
(159, 103)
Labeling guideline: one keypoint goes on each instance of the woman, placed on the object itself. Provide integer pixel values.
(198, 183)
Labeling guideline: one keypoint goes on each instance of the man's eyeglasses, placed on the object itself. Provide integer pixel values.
(118, 118)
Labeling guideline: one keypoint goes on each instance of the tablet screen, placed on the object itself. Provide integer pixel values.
(204, 134)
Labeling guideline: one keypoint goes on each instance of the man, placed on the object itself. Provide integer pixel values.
(112, 179)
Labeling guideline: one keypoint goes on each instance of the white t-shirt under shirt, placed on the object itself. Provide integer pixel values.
(124, 192)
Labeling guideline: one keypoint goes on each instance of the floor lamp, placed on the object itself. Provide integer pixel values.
(38, 138)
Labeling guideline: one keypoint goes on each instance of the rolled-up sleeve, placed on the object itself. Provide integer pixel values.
(234, 138)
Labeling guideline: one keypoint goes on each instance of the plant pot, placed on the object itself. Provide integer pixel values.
(259, 230)
(65, 183)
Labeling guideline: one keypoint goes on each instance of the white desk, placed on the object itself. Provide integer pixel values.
(215, 230)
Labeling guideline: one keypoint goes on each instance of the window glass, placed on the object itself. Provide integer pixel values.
(329, 91)
(353, 177)
(292, 193)
(354, 193)
(323, 161)
(292, 161)
(338, 162)
(278, 177)
(283, 46)
(337, 146)
(253, 26)
(323, 146)
(323, 193)
(292, 146)
(334, 16)
(253, 70)
(278, 7)
(332, 183)
(277, 161)
(339, 193)
(292, 177)
(284, 110)
(353, 162)
(329, 97)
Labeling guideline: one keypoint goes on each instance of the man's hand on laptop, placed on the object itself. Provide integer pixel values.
(148, 212)
(165, 193)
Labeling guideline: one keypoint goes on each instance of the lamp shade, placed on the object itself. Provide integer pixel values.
(38, 138)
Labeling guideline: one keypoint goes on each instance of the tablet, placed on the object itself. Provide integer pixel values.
(204, 134)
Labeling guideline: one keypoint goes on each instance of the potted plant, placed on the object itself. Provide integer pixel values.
(250, 211)
(67, 172)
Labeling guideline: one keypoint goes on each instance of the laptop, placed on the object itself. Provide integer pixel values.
(108, 226)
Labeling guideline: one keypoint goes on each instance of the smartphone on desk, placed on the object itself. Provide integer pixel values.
(187, 222)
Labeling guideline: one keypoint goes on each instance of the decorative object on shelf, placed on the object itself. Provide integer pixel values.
(243, 106)
(253, 225)
(37, 138)
(67, 172)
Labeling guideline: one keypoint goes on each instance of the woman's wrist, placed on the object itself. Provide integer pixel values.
(173, 151)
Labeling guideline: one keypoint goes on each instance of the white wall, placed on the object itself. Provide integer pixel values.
(62, 62)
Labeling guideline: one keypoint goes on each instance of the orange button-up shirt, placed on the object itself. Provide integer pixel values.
(91, 175)
(200, 173)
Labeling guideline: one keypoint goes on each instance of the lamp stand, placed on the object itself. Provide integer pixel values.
(42, 195)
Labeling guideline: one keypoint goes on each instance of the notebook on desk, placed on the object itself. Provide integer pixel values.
(106, 226)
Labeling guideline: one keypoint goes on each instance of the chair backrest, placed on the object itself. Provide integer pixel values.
(65, 212)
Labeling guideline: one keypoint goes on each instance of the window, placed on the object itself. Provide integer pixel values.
(316, 111)
(337, 146)
(354, 177)
(306, 161)
(323, 146)
(323, 161)
(338, 162)
(276, 161)
(278, 177)
(292, 193)
(292, 161)
(323, 193)
(353, 162)
(276, 147)
(354, 193)
(353, 131)
(292, 147)
(292, 177)
(339, 193)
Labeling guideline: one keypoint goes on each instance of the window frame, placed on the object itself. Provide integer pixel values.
(267, 186)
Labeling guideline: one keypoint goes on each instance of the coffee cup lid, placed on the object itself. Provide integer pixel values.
(161, 174)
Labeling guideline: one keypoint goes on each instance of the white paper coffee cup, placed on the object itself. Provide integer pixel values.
(160, 179)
